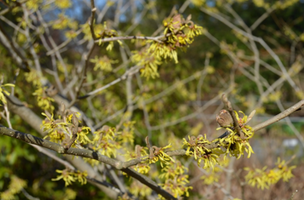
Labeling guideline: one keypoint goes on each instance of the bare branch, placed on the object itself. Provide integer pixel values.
(157, 39)
(131, 71)
(87, 57)
(280, 116)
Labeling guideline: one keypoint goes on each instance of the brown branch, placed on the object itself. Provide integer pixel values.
(74, 131)
(148, 182)
(280, 116)
(28, 116)
(30, 139)
(157, 39)
(124, 166)
(129, 72)
(14, 49)
(87, 58)
(91, 23)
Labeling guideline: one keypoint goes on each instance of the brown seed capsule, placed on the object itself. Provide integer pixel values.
(224, 119)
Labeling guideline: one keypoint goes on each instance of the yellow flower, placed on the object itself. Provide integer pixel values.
(44, 101)
(159, 154)
(66, 175)
(3, 92)
(103, 63)
(69, 177)
(63, 4)
(104, 141)
(82, 137)
(55, 128)
(139, 189)
(176, 180)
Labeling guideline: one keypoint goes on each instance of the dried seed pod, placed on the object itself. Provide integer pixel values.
(224, 119)
(51, 91)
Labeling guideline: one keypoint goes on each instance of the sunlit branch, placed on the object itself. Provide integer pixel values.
(262, 17)
(87, 58)
(52, 42)
(280, 116)
(157, 39)
(131, 71)
(30, 139)
(190, 116)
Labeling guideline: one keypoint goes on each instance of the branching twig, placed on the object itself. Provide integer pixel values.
(131, 71)
(87, 58)
(30, 139)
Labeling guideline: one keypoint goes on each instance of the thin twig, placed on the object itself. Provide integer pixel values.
(280, 116)
(157, 39)
(87, 58)
(131, 71)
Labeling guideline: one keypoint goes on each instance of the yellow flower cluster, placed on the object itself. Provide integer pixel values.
(126, 136)
(64, 22)
(158, 154)
(213, 174)
(60, 130)
(196, 148)
(140, 190)
(33, 4)
(105, 32)
(236, 144)
(175, 180)
(178, 33)
(63, 4)
(148, 61)
(103, 63)
(143, 167)
(263, 178)
(104, 141)
(56, 129)
(82, 135)
(69, 176)
(44, 101)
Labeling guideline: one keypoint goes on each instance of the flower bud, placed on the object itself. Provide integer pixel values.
(224, 119)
